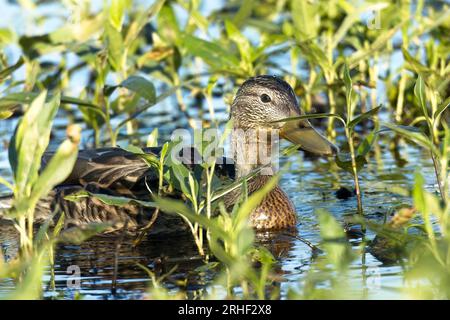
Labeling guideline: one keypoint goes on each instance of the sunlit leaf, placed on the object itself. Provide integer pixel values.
(419, 92)
(364, 116)
(116, 13)
(8, 71)
(212, 53)
(306, 19)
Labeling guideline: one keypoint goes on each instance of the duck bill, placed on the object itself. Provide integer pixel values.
(303, 134)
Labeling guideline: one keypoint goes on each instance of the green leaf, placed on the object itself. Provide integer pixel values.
(178, 207)
(245, 49)
(30, 141)
(312, 116)
(169, 31)
(344, 161)
(77, 32)
(152, 140)
(79, 234)
(419, 92)
(366, 145)
(56, 171)
(119, 201)
(415, 66)
(441, 108)
(244, 12)
(363, 116)
(6, 183)
(12, 100)
(212, 53)
(138, 84)
(140, 21)
(306, 19)
(116, 52)
(338, 250)
(141, 86)
(31, 270)
(6, 72)
(348, 91)
(414, 135)
(379, 44)
(116, 13)
(241, 219)
(315, 55)
(352, 17)
(6, 36)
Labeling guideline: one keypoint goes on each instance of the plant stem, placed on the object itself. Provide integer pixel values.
(438, 178)
(330, 129)
(400, 97)
(354, 170)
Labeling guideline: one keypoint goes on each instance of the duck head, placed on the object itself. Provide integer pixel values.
(262, 101)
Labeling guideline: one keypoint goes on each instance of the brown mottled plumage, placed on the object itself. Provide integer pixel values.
(260, 103)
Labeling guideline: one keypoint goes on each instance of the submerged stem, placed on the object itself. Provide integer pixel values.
(354, 170)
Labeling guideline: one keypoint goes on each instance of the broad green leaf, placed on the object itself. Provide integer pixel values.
(141, 86)
(138, 84)
(212, 53)
(168, 25)
(6, 36)
(56, 171)
(306, 19)
(30, 141)
(315, 55)
(245, 49)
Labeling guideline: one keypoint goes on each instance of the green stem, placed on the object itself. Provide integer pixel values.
(354, 170)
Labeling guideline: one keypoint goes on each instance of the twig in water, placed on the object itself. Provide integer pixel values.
(116, 257)
(314, 249)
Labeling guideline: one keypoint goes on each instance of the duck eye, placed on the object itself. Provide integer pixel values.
(265, 98)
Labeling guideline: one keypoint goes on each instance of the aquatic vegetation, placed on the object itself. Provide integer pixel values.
(128, 73)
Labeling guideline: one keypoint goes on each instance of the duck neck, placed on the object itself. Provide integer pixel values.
(253, 148)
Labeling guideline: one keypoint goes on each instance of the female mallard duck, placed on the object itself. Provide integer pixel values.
(260, 103)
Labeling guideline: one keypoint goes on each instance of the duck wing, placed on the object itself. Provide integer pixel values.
(114, 169)
(118, 172)
(124, 172)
